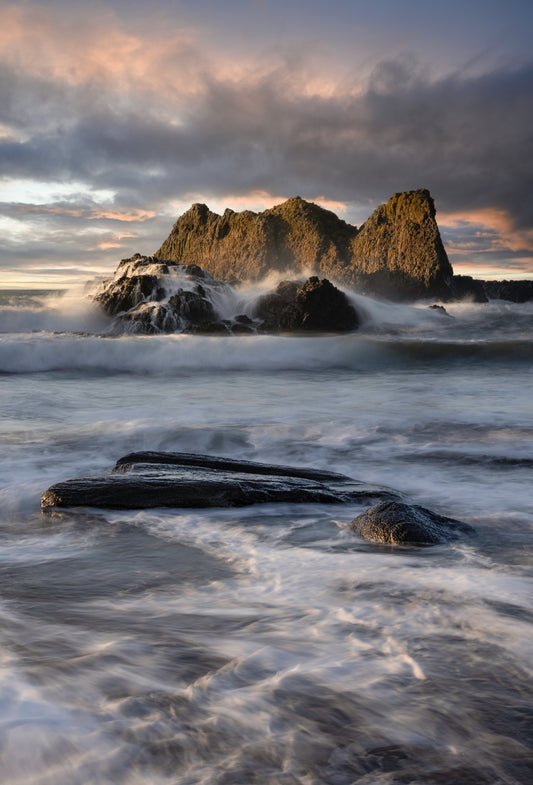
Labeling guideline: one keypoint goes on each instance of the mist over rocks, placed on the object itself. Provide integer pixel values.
(397, 253)
(150, 295)
(191, 283)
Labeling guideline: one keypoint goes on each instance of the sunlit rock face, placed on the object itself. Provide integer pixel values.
(397, 253)
(150, 295)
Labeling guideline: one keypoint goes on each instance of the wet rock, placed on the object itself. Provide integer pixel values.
(192, 306)
(149, 295)
(218, 327)
(439, 308)
(315, 305)
(513, 291)
(142, 480)
(403, 524)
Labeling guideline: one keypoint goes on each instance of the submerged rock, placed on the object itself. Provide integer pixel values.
(397, 252)
(142, 480)
(399, 523)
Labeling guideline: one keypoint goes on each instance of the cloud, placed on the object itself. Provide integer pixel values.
(168, 120)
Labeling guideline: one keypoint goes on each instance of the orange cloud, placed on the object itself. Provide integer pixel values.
(497, 228)
(39, 42)
(99, 49)
(91, 214)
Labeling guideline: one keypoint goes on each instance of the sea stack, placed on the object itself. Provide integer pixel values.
(397, 253)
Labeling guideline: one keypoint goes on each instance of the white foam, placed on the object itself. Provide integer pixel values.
(71, 311)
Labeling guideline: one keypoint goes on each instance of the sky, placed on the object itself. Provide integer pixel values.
(117, 115)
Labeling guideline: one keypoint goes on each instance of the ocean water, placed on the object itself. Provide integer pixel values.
(269, 644)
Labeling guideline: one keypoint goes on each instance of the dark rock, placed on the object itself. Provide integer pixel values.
(127, 462)
(513, 291)
(142, 480)
(399, 523)
(464, 287)
(128, 292)
(312, 306)
(145, 296)
(397, 253)
(220, 327)
(239, 328)
(192, 306)
(440, 308)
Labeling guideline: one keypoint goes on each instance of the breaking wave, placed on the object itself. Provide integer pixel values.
(175, 354)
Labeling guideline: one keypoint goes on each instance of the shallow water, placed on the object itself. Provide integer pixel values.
(267, 644)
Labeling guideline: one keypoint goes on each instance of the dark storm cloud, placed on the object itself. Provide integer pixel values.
(468, 139)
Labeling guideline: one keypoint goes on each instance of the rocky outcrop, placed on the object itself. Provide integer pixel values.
(311, 306)
(151, 295)
(399, 523)
(397, 253)
(513, 291)
(142, 480)
(464, 287)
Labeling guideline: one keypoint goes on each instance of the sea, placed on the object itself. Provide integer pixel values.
(267, 645)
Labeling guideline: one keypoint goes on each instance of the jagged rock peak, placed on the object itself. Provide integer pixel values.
(398, 252)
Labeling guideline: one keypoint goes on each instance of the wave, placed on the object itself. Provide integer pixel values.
(174, 354)
(69, 311)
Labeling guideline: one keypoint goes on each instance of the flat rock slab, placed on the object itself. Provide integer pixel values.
(153, 479)
(407, 524)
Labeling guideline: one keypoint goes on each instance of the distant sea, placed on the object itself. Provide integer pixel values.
(267, 645)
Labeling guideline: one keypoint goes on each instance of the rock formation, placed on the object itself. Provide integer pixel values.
(514, 291)
(153, 479)
(397, 253)
(151, 295)
(464, 287)
(312, 305)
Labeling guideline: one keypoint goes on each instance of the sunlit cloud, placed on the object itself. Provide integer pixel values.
(494, 226)
(111, 126)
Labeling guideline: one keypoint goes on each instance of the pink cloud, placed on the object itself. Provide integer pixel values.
(496, 227)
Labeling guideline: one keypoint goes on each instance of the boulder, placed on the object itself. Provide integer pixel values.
(407, 524)
(397, 252)
(315, 305)
(142, 480)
